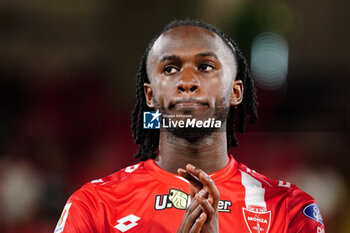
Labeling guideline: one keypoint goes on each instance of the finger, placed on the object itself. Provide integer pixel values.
(192, 206)
(185, 224)
(206, 206)
(193, 191)
(197, 226)
(193, 181)
(203, 193)
(193, 173)
(193, 170)
(209, 184)
(192, 217)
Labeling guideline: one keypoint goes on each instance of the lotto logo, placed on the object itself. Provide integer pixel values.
(151, 120)
(127, 223)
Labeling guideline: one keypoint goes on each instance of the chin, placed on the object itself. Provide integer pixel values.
(192, 134)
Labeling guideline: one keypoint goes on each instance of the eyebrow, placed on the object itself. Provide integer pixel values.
(207, 54)
(175, 57)
(169, 57)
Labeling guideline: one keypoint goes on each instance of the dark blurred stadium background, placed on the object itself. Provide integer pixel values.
(67, 75)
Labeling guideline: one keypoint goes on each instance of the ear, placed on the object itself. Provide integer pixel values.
(148, 95)
(237, 93)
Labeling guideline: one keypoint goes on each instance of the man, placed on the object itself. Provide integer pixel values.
(191, 69)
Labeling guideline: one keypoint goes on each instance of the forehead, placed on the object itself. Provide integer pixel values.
(182, 40)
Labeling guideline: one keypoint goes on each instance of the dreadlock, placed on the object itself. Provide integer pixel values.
(148, 140)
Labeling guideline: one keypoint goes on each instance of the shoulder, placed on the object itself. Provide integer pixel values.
(302, 210)
(266, 183)
(294, 197)
(290, 191)
(125, 176)
(83, 208)
(89, 195)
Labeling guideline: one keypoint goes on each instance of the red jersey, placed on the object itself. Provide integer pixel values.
(146, 198)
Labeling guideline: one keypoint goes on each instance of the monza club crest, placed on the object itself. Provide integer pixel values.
(257, 219)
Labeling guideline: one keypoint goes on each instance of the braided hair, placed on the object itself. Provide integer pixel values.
(148, 140)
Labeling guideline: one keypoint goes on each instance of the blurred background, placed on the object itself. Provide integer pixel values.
(67, 77)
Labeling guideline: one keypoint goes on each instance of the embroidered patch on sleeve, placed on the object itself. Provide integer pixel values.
(63, 218)
(312, 211)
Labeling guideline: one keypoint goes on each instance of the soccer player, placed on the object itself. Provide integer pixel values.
(186, 180)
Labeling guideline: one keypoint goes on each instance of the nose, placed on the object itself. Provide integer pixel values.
(187, 84)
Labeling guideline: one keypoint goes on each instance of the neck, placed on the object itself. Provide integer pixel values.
(208, 153)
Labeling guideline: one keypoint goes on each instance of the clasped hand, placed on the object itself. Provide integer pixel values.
(202, 214)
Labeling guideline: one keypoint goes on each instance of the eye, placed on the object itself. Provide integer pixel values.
(205, 67)
(170, 70)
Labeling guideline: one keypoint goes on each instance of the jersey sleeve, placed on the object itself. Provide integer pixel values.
(78, 215)
(304, 214)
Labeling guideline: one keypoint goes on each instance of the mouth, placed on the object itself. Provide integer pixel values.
(188, 103)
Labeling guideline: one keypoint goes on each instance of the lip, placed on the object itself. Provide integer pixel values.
(189, 104)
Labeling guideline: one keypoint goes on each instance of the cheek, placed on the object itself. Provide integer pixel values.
(220, 89)
(227, 82)
(218, 86)
(163, 91)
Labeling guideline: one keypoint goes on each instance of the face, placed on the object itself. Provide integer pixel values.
(191, 70)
